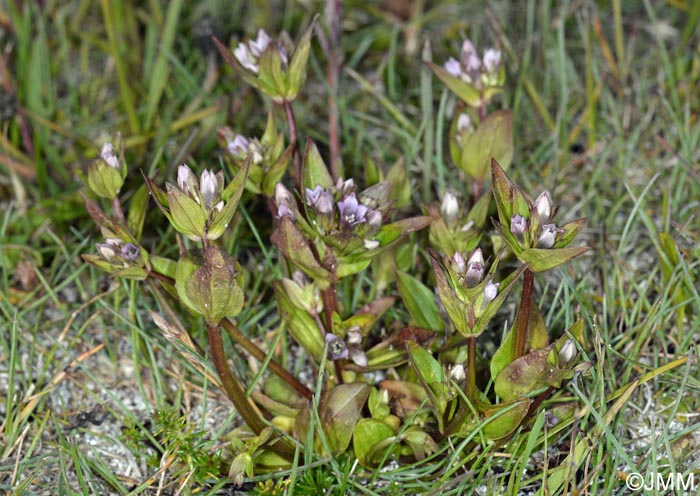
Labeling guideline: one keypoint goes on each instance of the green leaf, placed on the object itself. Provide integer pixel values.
(537, 337)
(296, 73)
(339, 411)
(137, 211)
(214, 289)
(187, 216)
(420, 302)
(186, 267)
(369, 433)
(493, 139)
(302, 327)
(272, 78)
(295, 247)
(432, 377)
(540, 259)
(315, 172)
(503, 419)
(465, 91)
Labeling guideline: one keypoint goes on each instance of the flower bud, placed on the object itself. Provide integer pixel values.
(449, 208)
(475, 268)
(284, 211)
(371, 244)
(354, 337)
(245, 57)
(209, 185)
(358, 356)
(464, 123)
(518, 224)
(374, 219)
(187, 181)
(490, 292)
(543, 206)
(567, 353)
(282, 195)
(109, 156)
(345, 187)
(457, 372)
(260, 44)
(458, 263)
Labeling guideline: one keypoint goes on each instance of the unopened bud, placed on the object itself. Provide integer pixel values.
(543, 206)
(475, 268)
(449, 208)
(490, 292)
(282, 195)
(458, 263)
(109, 155)
(464, 123)
(358, 356)
(457, 372)
(492, 60)
(567, 354)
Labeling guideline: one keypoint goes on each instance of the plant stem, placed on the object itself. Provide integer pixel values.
(251, 347)
(236, 392)
(521, 326)
(470, 389)
(118, 212)
(294, 142)
(259, 354)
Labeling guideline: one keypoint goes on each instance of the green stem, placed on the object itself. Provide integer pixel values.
(521, 326)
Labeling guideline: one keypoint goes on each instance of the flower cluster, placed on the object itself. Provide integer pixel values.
(120, 258)
(199, 208)
(472, 69)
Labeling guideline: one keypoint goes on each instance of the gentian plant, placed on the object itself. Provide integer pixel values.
(386, 388)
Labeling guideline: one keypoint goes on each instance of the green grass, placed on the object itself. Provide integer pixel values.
(607, 120)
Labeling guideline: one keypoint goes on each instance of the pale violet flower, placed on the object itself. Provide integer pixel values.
(453, 67)
(130, 252)
(260, 44)
(352, 213)
(109, 155)
(492, 60)
(548, 236)
(320, 200)
(457, 372)
(239, 146)
(245, 58)
(518, 224)
(336, 347)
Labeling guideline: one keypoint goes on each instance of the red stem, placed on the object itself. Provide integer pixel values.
(521, 326)
(294, 142)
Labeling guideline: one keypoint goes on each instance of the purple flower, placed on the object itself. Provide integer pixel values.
(352, 213)
(336, 347)
(518, 224)
(130, 252)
